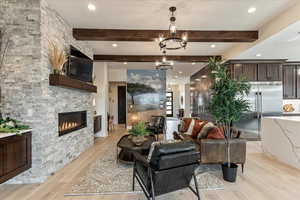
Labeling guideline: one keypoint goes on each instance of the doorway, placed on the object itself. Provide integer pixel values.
(121, 104)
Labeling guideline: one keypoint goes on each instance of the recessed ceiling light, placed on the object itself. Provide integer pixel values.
(197, 79)
(176, 76)
(91, 7)
(114, 45)
(213, 46)
(180, 72)
(193, 63)
(125, 63)
(252, 10)
(258, 55)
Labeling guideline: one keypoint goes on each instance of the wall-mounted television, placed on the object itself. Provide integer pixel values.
(80, 66)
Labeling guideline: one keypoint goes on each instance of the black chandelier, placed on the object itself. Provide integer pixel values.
(164, 64)
(172, 42)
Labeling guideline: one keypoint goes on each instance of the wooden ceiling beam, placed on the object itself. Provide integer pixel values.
(152, 35)
(153, 58)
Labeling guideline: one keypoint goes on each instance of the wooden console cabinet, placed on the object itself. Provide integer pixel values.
(15, 155)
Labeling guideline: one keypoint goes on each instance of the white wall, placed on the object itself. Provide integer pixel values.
(180, 90)
(101, 98)
(117, 75)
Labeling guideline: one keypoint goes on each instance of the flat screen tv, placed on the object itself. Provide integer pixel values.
(80, 67)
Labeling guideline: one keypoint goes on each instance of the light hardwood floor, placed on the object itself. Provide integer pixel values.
(264, 179)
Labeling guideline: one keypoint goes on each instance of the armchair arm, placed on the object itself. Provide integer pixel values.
(214, 151)
(141, 158)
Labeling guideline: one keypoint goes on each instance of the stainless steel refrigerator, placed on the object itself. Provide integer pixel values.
(265, 99)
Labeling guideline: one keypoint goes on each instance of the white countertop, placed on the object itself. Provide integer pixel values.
(4, 135)
(281, 138)
(288, 118)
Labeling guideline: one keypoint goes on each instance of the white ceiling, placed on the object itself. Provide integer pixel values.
(283, 45)
(154, 14)
(152, 48)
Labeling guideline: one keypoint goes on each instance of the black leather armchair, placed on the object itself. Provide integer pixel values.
(167, 168)
(156, 125)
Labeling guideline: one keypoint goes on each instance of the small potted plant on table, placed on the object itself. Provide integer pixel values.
(138, 133)
(227, 106)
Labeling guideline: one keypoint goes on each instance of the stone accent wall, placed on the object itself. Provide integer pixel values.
(27, 95)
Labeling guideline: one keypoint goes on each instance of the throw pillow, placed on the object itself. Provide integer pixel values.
(186, 124)
(204, 131)
(191, 127)
(215, 133)
(199, 124)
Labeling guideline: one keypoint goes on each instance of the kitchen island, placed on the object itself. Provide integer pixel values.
(281, 138)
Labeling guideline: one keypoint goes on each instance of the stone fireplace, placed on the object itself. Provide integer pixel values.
(31, 25)
(71, 121)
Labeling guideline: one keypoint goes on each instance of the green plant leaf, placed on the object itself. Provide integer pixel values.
(139, 129)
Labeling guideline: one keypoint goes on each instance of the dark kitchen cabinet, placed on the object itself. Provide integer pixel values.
(269, 72)
(247, 71)
(256, 70)
(290, 82)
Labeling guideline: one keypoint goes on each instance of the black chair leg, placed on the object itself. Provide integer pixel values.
(243, 165)
(133, 179)
(196, 186)
(152, 186)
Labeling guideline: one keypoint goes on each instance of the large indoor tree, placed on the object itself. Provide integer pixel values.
(227, 103)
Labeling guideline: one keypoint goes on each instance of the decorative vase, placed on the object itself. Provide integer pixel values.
(138, 140)
(229, 173)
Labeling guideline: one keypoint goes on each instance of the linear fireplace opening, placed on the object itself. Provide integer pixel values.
(71, 121)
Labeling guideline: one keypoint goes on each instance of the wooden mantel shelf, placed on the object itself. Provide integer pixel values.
(64, 81)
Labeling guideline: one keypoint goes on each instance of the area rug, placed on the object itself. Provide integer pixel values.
(105, 176)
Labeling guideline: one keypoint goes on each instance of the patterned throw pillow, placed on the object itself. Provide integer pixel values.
(186, 124)
(155, 144)
(199, 124)
(204, 131)
(191, 127)
(215, 133)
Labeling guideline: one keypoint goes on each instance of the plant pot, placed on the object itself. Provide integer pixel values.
(138, 140)
(229, 173)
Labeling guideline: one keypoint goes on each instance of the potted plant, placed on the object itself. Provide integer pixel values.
(57, 58)
(227, 105)
(138, 133)
(9, 125)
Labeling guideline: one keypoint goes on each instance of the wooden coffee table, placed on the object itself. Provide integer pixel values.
(128, 148)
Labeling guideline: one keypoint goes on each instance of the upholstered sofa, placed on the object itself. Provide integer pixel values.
(211, 143)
